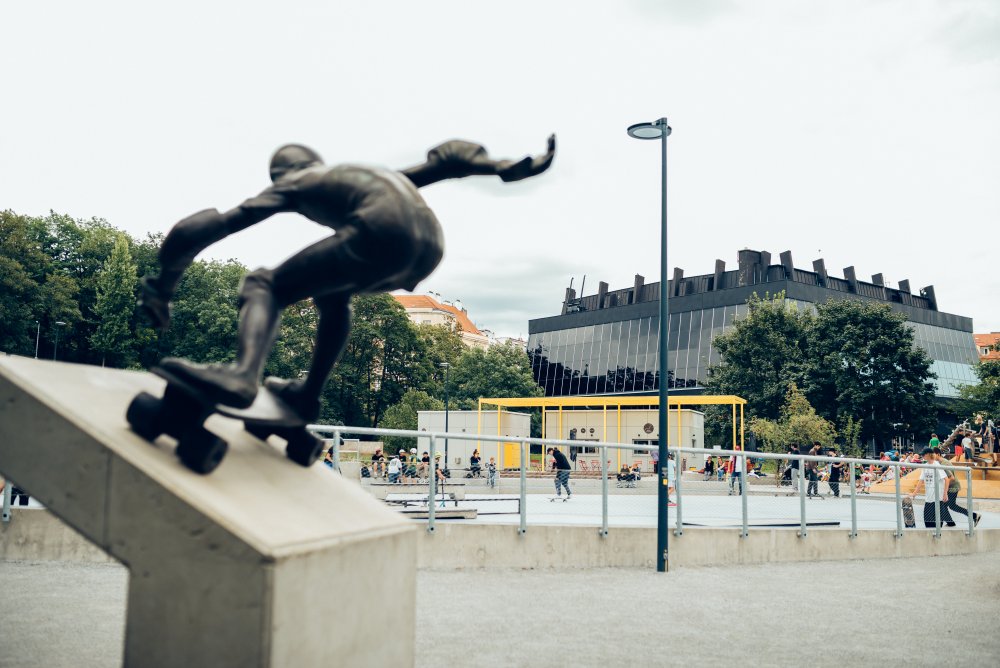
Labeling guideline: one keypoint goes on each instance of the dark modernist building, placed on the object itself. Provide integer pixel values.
(607, 343)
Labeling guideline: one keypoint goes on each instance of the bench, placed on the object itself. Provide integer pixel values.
(383, 489)
(442, 513)
(407, 500)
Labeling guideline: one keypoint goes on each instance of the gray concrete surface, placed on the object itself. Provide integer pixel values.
(847, 613)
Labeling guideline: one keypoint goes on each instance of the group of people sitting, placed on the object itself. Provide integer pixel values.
(404, 467)
(629, 475)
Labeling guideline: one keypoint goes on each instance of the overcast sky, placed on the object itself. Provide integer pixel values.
(863, 132)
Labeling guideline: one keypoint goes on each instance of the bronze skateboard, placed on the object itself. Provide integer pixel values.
(181, 413)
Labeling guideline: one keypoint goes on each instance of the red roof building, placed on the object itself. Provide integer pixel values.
(426, 310)
(983, 343)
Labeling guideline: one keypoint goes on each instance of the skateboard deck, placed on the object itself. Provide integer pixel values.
(564, 499)
(908, 518)
(182, 411)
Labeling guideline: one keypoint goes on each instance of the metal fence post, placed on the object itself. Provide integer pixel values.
(968, 501)
(899, 502)
(679, 531)
(937, 506)
(854, 503)
(335, 455)
(523, 506)
(745, 530)
(432, 485)
(8, 488)
(604, 491)
(802, 499)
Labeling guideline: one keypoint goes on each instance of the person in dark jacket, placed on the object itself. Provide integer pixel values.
(562, 468)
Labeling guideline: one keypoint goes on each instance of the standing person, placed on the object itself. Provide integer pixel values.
(934, 442)
(491, 473)
(671, 478)
(734, 467)
(655, 456)
(969, 446)
(836, 469)
(812, 490)
(561, 466)
(794, 466)
(925, 484)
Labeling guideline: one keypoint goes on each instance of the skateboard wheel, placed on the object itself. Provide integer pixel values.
(259, 432)
(201, 451)
(303, 448)
(144, 416)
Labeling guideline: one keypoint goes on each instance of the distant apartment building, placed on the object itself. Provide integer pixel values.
(428, 310)
(987, 345)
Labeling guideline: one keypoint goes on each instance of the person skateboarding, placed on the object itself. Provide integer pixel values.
(386, 238)
(562, 468)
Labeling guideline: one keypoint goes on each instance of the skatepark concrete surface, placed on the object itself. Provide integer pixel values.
(834, 613)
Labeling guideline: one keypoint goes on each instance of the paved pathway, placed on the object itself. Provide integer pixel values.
(839, 613)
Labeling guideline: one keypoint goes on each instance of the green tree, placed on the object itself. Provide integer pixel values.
(204, 314)
(114, 306)
(403, 415)
(383, 358)
(798, 424)
(498, 371)
(863, 364)
(441, 344)
(23, 267)
(983, 398)
(763, 354)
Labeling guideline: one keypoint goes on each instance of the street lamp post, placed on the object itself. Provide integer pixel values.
(38, 335)
(659, 129)
(55, 350)
(446, 367)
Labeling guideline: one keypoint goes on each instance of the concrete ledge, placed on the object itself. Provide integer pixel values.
(37, 535)
(262, 563)
(383, 489)
(570, 547)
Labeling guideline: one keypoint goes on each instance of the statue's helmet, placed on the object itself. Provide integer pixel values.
(292, 157)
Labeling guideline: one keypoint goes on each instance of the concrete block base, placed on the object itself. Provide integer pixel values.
(262, 563)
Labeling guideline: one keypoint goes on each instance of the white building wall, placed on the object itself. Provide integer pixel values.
(513, 425)
(637, 426)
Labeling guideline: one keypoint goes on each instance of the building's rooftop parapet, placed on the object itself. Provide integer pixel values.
(754, 268)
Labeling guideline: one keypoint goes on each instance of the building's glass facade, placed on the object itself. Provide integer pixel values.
(621, 357)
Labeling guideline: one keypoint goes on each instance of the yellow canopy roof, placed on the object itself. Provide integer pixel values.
(563, 402)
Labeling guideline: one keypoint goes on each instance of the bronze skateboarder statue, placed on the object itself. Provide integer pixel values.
(386, 238)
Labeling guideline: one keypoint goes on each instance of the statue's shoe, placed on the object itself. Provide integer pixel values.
(217, 383)
(292, 395)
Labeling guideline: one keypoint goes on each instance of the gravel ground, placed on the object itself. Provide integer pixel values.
(846, 613)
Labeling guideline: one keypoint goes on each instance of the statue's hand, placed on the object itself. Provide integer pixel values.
(153, 303)
(529, 166)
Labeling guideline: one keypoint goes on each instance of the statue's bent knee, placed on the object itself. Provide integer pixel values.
(258, 282)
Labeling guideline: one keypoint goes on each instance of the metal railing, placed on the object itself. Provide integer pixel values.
(961, 472)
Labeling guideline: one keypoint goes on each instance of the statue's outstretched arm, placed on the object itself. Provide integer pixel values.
(192, 235)
(457, 159)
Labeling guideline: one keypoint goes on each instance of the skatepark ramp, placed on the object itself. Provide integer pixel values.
(261, 563)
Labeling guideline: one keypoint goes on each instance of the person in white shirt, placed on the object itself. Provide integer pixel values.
(968, 446)
(926, 485)
(395, 468)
